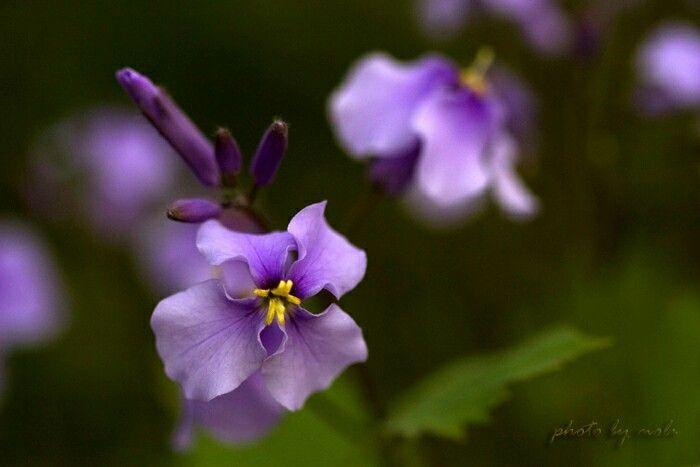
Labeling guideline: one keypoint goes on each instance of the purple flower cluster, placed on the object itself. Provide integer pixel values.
(445, 136)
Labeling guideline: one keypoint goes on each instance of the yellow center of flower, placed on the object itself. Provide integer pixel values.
(278, 300)
(474, 77)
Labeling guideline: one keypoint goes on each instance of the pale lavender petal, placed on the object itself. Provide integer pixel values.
(241, 416)
(509, 191)
(209, 343)
(372, 110)
(30, 291)
(326, 260)
(435, 215)
(443, 17)
(237, 280)
(265, 254)
(316, 350)
(669, 67)
(455, 127)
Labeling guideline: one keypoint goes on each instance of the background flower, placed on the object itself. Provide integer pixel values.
(31, 296)
(668, 69)
(447, 138)
(105, 164)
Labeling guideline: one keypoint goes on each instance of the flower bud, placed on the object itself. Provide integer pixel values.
(172, 123)
(268, 156)
(193, 210)
(228, 156)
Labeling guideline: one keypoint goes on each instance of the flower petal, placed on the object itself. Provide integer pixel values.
(317, 349)
(237, 280)
(209, 343)
(326, 258)
(243, 415)
(455, 127)
(373, 108)
(508, 189)
(266, 254)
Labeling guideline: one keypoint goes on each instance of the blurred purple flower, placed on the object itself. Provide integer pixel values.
(448, 138)
(242, 347)
(544, 24)
(668, 68)
(107, 164)
(31, 299)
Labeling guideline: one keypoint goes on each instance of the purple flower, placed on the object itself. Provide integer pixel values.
(30, 294)
(107, 164)
(244, 344)
(668, 67)
(543, 22)
(446, 137)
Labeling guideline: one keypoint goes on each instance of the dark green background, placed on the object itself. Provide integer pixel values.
(615, 251)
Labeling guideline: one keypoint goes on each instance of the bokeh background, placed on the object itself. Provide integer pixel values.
(614, 252)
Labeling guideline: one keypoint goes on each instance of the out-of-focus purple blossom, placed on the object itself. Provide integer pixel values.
(31, 296)
(668, 68)
(544, 24)
(244, 344)
(173, 124)
(268, 157)
(435, 132)
(105, 163)
(194, 210)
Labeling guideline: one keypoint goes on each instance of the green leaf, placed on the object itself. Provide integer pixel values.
(463, 392)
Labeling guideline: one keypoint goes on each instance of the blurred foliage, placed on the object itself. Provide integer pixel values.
(463, 391)
(614, 253)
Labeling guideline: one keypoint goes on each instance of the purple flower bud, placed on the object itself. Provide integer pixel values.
(269, 155)
(228, 156)
(193, 210)
(172, 123)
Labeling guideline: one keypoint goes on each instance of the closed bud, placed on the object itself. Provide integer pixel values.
(193, 210)
(269, 154)
(172, 123)
(228, 156)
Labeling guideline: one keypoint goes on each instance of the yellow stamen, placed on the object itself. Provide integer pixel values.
(474, 77)
(278, 297)
(261, 292)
